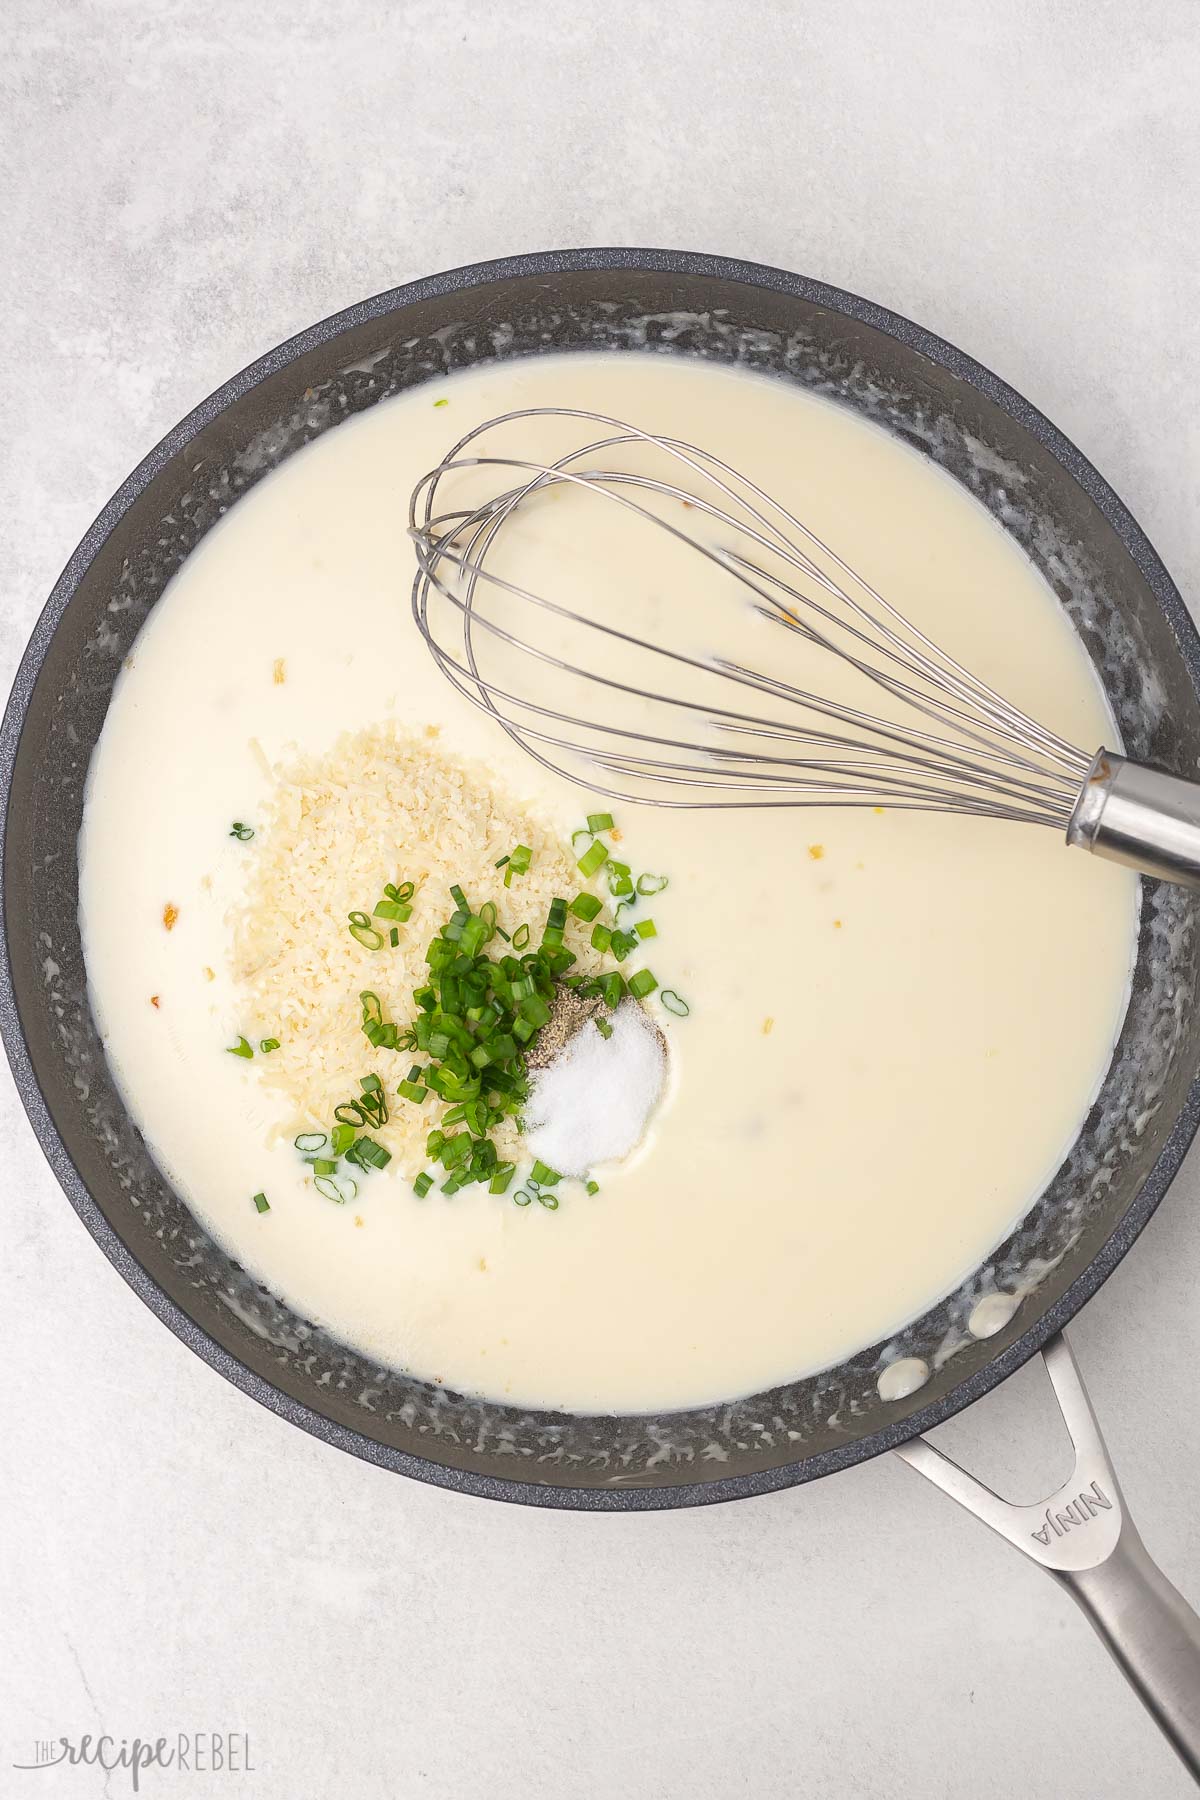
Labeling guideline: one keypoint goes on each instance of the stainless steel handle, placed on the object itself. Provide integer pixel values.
(1083, 1535)
(1139, 816)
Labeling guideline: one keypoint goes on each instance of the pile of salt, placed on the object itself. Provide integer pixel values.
(592, 1103)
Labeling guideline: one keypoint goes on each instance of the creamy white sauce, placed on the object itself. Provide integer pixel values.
(891, 1043)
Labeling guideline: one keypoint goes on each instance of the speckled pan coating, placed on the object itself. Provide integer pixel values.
(990, 439)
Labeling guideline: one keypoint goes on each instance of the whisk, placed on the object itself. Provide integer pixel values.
(644, 727)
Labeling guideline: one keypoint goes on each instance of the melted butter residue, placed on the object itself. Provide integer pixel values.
(992, 1314)
(903, 1377)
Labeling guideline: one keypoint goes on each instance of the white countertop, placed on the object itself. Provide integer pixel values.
(186, 186)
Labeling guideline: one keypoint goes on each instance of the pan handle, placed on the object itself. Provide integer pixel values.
(1083, 1535)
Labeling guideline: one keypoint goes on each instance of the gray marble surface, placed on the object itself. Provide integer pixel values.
(184, 186)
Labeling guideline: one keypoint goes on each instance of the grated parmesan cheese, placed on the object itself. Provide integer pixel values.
(380, 806)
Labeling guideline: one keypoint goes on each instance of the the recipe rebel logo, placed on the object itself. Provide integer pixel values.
(184, 1752)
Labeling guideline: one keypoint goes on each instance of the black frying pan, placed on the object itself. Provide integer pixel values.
(1148, 655)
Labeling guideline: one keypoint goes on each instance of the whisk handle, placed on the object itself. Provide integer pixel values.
(1139, 816)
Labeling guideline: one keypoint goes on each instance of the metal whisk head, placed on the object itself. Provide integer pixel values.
(617, 689)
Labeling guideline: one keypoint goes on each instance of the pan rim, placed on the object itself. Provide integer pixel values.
(468, 277)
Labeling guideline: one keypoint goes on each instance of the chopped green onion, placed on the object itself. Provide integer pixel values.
(619, 878)
(577, 835)
(341, 1139)
(603, 1027)
(261, 1203)
(392, 909)
(549, 1201)
(646, 928)
(542, 1175)
(310, 1142)
(336, 1187)
(651, 884)
(612, 989)
(476, 1014)
(519, 860)
(325, 1165)
(474, 935)
(266, 1045)
(675, 1003)
(370, 1109)
(641, 984)
(362, 930)
(243, 834)
(600, 822)
(365, 1153)
(241, 1048)
(593, 1187)
(455, 1149)
(522, 1197)
(502, 1179)
(592, 859)
(394, 936)
(601, 937)
(586, 906)
(452, 931)
(422, 1185)
(500, 861)
(381, 1037)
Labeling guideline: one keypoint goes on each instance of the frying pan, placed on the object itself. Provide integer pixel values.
(1147, 654)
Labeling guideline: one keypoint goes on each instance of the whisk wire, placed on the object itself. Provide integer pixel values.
(1015, 768)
